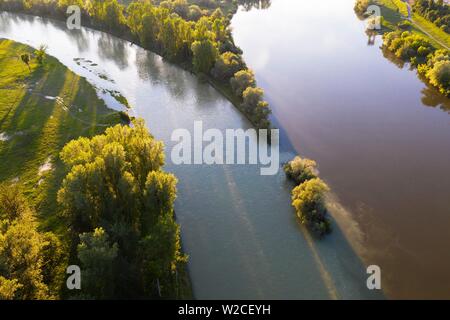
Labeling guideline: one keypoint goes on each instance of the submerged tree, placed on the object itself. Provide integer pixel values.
(308, 200)
(301, 169)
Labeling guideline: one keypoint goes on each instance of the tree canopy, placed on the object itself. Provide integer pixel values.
(121, 202)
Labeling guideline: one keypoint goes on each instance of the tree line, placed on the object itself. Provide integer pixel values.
(195, 34)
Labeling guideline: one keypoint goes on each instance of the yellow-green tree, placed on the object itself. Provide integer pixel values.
(26, 265)
(204, 55)
(308, 200)
(115, 182)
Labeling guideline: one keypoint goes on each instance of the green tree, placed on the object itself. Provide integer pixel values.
(204, 55)
(242, 80)
(227, 64)
(115, 182)
(21, 258)
(25, 57)
(31, 262)
(8, 288)
(97, 258)
(301, 169)
(308, 200)
(41, 53)
(181, 8)
(113, 15)
(195, 13)
(439, 76)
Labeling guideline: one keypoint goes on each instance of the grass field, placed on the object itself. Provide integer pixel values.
(35, 124)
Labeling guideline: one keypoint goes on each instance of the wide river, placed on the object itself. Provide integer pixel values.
(381, 137)
(339, 101)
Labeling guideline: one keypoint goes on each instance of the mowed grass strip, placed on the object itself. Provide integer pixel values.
(35, 124)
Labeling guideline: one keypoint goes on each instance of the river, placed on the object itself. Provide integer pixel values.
(381, 150)
(381, 137)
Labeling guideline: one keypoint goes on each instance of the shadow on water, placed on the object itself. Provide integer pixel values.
(113, 49)
(79, 36)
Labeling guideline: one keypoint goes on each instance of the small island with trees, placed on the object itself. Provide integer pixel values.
(308, 197)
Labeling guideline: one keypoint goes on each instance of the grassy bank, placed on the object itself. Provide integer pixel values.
(42, 107)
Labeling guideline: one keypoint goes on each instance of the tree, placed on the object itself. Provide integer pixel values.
(204, 55)
(113, 15)
(115, 183)
(195, 12)
(107, 175)
(251, 97)
(31, 262)
(160, 253)
(301, 169)
(217, 14)
(242, 80)
(361, 7)
(181, 8)
(21, 258)
(8, 288)
(12, 202)
(41, 53)
(308, 201)
(227, 64)
(439, 76)
(25, 57)
(97, 257)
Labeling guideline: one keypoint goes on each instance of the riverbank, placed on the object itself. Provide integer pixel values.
(42, 108)
(422, 44)
(178, 49)
(395, 11)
